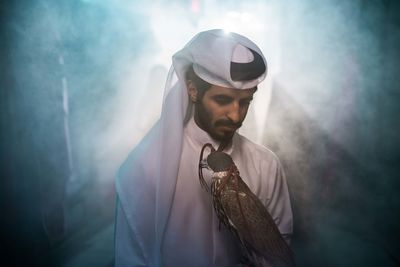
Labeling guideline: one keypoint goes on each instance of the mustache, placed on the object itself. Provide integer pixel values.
(228, 123)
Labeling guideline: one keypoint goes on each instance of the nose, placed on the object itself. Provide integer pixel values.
(234, 112)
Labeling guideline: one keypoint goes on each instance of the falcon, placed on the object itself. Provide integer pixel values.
(242, 212)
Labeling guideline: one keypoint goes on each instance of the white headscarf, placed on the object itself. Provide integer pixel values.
(146, 181)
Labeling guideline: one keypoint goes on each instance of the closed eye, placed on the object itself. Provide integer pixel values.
(222, 99)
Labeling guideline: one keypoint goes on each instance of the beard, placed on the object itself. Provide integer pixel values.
(204, 120)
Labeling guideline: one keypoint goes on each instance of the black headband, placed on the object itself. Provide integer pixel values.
(248, 71)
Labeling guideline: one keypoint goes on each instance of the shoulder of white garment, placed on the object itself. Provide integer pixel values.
(260, 168)
(270, 184)
(255, 151)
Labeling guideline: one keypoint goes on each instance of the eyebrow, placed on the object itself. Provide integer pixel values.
(222, 96)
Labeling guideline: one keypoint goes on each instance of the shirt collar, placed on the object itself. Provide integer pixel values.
(200, 137)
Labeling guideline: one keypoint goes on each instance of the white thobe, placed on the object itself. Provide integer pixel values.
(192, 236)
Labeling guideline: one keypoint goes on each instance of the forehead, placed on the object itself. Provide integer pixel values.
(231, 92)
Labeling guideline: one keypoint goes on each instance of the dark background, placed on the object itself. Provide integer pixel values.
(333, 121)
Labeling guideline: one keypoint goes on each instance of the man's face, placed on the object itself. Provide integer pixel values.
(221, 111)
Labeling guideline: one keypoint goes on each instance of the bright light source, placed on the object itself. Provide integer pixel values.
(226, 32)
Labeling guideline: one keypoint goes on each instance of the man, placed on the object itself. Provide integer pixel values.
(164, 218)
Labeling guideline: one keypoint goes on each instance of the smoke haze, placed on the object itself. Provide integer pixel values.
(82, 82)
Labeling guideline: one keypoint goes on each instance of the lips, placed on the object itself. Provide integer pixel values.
(228, 128)
(228, 124)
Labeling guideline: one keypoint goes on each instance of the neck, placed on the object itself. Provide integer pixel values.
(223, 145)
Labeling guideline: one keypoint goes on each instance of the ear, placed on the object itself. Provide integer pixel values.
(192, 91)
